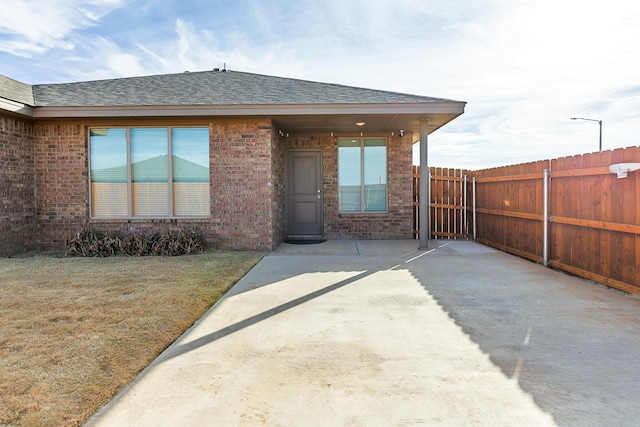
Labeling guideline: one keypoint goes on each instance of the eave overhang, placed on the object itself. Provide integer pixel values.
(292, 118)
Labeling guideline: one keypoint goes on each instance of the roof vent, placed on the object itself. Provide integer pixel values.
(216, 69)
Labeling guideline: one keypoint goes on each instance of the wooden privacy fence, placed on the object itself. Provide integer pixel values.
(572, 213)
(448, 208)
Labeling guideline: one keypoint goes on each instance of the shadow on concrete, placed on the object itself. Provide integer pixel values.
(571, 344)
(181, 349)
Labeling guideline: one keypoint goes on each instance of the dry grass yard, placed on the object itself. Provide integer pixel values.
(75, 331)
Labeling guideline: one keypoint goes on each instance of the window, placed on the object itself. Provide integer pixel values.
(132, 174)
(362, 174)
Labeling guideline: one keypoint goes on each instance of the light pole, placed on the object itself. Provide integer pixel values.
(592, 120)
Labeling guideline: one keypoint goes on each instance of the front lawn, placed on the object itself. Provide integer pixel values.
(75, 331)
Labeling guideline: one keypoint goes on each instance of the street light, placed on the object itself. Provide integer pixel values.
(592, 120)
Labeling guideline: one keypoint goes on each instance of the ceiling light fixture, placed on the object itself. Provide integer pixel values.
(360, 123)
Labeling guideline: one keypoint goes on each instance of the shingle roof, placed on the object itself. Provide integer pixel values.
(211, 88)
(16, 91)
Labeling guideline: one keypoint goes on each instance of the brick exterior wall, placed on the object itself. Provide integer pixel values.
(61, 181)
(242, 187)
(396, 223)
(247, 173)
(17, 187)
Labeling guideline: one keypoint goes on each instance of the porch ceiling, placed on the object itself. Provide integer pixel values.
(374, 123)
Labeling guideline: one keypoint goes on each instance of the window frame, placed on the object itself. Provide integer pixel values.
(363, 210)
(129, 171)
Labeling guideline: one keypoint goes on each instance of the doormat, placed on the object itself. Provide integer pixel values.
(304, 241)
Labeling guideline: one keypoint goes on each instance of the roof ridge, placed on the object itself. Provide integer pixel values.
(146, 76)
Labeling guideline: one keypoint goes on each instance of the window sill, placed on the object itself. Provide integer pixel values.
(153, 219)
(361, 213)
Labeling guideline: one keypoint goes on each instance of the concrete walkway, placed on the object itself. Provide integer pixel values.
(377, 333)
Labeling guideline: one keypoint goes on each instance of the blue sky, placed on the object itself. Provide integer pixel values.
(524, 67)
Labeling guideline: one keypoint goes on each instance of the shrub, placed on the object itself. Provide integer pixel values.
(89, 243)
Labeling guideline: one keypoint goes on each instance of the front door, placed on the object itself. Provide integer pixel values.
(304, 193)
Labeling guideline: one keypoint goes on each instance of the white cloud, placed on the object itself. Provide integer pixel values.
(102, 59)
(532, 67)
(524, 67)
(31, 27)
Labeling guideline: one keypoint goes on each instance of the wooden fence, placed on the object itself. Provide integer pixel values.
(593, 217)
(448, 213)
(509, 208)
(589, 224)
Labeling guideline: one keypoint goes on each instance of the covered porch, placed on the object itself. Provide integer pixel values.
(316, 191)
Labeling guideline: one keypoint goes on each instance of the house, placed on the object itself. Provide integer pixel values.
(245, 159)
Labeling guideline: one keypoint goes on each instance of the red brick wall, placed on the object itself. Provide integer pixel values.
(17, 187)
(61, 181)
(242, 188)
(247, 171)
(241, 185)
(396, 223)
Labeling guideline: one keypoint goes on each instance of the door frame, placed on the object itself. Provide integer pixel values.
(287, 200)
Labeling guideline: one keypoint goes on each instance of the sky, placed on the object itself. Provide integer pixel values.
(524, 67)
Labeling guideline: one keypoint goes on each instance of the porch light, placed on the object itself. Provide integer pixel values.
(360, 124)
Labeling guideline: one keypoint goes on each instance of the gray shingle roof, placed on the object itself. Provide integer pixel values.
(16, 91)
(211, 88)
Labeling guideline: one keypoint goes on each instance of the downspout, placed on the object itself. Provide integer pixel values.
(425, 182)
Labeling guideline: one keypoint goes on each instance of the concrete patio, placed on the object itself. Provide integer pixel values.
(366, 333)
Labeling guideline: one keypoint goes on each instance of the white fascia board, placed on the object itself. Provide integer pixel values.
(16, 107)
(449, 107)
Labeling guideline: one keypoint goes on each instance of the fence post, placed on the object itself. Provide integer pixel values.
(465, 226)
(475, 228)
(545, 215)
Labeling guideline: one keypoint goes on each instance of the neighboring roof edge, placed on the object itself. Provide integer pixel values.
(16, 91)
(16, 107)
(16, 97)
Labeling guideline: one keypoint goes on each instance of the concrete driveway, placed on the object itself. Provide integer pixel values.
(377, 333)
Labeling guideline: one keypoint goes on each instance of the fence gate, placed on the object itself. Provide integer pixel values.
(448, 203)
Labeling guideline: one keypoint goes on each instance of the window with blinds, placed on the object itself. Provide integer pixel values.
(149, 172)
